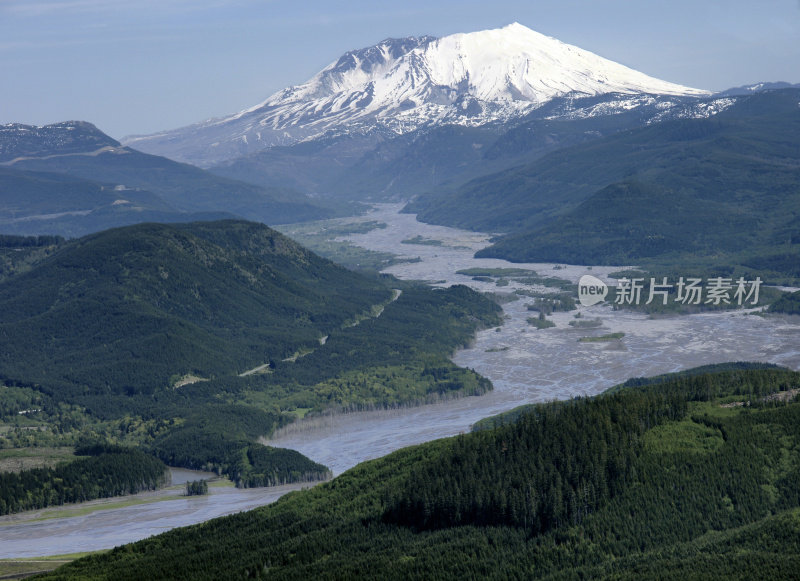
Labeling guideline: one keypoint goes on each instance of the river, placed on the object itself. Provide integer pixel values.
(528, 365)
(525, 365)
(109, 522)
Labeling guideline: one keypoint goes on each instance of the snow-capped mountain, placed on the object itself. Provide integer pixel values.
(402, 85)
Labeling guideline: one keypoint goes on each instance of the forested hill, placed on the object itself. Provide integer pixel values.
(691, 478)
(132, 309)
(719, 192)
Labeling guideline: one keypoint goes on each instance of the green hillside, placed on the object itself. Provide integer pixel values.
(184, 186)
(789, 303)
(127, 309)
(761, 127)
(33, 202)
(721, 191)
(20, 253)
(691, 478)
(26, 194)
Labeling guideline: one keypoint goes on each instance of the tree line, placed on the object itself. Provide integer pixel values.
(107, 471)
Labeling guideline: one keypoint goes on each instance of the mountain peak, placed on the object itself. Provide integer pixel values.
(67, 137)
(515, 63)
(400, 85)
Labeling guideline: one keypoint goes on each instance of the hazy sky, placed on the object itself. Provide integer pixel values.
(139, 66)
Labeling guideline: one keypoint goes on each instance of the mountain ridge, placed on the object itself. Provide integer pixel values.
(70, 178)
(18, 140)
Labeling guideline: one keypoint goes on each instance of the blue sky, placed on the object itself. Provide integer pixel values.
(140, 66)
